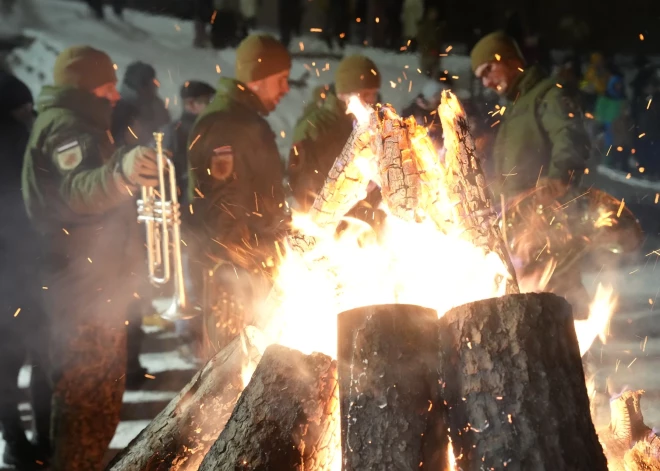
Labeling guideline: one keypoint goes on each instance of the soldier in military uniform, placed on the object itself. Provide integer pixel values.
(540, 140)
(324, 127)
(236, 188)
(78, 190)
(541, 133)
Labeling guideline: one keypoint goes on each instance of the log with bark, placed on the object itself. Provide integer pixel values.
(387, 355)
(286, 419)
(514, 386)
(181, 435)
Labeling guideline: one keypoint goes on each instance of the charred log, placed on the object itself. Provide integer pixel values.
(181, 435)
(514, 386)
(474, 208)
(286, 419)
(386, 372)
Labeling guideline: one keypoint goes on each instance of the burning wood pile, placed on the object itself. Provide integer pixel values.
(435, 362)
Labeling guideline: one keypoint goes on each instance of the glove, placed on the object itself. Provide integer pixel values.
(139, 168)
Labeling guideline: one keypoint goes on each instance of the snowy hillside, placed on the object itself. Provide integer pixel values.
(166, 44)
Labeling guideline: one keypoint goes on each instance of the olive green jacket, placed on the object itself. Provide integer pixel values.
(318, 139)
(236, 180)
(88, 226)
(541, 134)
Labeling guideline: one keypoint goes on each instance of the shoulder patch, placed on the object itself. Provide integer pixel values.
(222, 163)
(69, 155)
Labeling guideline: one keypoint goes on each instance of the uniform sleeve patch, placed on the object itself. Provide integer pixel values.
(222, 163)
(69, 155)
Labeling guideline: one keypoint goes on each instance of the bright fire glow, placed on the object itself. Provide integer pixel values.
(423, 262)
(451, 460)
(600, 313)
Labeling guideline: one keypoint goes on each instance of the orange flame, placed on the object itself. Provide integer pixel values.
(600, 313)
(451, 459)
(421, 262)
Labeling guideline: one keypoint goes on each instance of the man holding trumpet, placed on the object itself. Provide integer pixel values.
(79, 192)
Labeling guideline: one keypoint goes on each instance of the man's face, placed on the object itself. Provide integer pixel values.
(108, 92)
(197, 105)
(498, 75)
(271, 89)
(369, 96)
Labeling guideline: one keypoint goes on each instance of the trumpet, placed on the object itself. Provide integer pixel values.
(162, 219)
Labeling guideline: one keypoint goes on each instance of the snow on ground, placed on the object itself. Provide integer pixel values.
(165, 43)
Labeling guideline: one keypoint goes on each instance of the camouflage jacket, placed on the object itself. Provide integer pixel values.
(236, 178)
(87, 224)
(540, 134)
(318, 139)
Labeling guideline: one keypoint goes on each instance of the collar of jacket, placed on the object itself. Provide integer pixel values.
(81, 102)
(231, 93)
(525, 82)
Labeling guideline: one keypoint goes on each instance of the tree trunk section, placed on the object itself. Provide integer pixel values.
(386, 358)
(514, 386)
(286, 419)
(181, 435)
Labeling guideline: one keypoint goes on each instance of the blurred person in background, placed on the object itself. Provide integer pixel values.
(195, 97)
(540, 141)
(612, 113)
(322, 131)
(139, 113)
(429, 42)
(236, 190)
(139, 108)
(202, 13)
(594, 81)
(411, 16)
(78, 189)
(23, 324)
(97, 8)
(290, 13)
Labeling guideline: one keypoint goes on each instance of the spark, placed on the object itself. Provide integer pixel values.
(644, 346)
(449, 48)
(498, 57)
(149, 376)
(521, 69)
(315, 30)
(89, 259)
(190, 208)
(586, 171)
(295, 150)
(67, 232)
(114, 66)
(621, 206)
(19, 310)
(657, 196)
(377, 20)
(374, 72)
(495, 123)
(559, 85)
(301, 46)
(215, 13)
(44, 287)
(167, 102)
(649, 103)
(628, 177)
(283, 134)
(409, 86)
(358, 20)
(537, 257)
(634, 271)
(588, 116)
(631, 363)
(641, 37)
(241, 87)
(641, 169)
(393, 84)
(608, 151)
(217, 68)
(177, 27)
(194, 141)
(132, 133)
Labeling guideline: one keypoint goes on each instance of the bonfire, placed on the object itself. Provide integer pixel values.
(403, 347)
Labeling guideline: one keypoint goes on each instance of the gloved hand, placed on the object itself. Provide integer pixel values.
(139, 167)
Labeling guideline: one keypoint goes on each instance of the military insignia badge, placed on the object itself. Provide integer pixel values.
(222, 163)
(69, 155)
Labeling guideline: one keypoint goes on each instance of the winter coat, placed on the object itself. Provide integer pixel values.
(540, 134)
(318, 138)
(87, 224)
(144, 114)
(413, 12)
(235, 180)
(175, 139)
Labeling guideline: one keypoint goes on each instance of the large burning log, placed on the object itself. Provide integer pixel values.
(514, 386)
(387, 355)
(467, 183)
(286, 419)
(181, 435)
